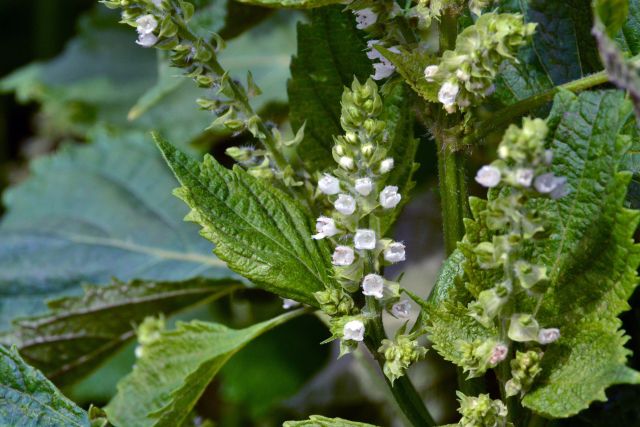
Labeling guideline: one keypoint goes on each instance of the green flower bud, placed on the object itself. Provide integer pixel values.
(399, 354)
(149, 331)
(261, 172)
(530, 276)
(489, 304)
(334, 301)
(481, 411)
(478, 356)
(525, 145)
(368, 150)
(525, 367)
(240, 154)
(523, 328)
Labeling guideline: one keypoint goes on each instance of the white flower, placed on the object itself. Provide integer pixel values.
(550, 184)
(386, 165)
(488, 176)
(365, 18)
(345, 204)
(365, 239)
(389, 197)
(524, 176)
(372, 52)
(448, 93)
(430, 72)
(326, 227)
(342, 256)
(146, 24)
(498, 354)
(329, 184)
(401, 309)
(547, 336)
(289, 303)
(394, 252)
(353, 330)
(364, 186)
(373, 286)
(346, 162)
(146, 40)
(382, 70)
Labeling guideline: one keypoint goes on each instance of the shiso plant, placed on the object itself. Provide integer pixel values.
(531, 106)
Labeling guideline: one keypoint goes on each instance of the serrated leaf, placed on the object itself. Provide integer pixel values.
(28, 398)
(90, 213)
(331, 52)
(79, 333)
(410, 64)
(562, 48)
(188, 358)
(298, 4)
(590, 253)
(261, 232)
(320, 421)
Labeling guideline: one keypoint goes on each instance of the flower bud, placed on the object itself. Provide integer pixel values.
(399, 354)
(547, 336)
(386, 165)
(402, 309)
(289, 303)
(346, 162)
(481, 411)
(334, 302)
(430, 72)
(368, 150)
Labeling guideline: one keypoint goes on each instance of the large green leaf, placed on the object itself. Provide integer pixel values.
(80, 332)
(261, 232)
(562, 48)
(88, 214)
(590, 254)
(27, 398)
(320, 421)
(331, 52)
(299, 4)
(174, 370)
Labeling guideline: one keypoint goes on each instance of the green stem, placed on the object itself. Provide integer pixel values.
(537, 421)
(404, 392)
(505, 116)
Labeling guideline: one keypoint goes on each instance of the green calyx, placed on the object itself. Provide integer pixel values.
(399, 354)
(525, 367)
(481, 411)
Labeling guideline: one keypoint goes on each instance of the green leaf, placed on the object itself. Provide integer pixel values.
(27, 398)
(81, 332)
(261, 232)
(331, 51)
(590, 254)
(298, 4)
(562, 48)
(612, 13)
(410, 64)
(629, 36)
(320, 421)
(188, 358)
(90, 213)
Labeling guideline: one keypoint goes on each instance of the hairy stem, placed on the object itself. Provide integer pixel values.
(505, 116)
(403, 390)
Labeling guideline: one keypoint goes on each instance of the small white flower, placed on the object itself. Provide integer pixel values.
(364, 186)
(386, 165)
(346, 162)
(373, 286)
(365, 239)
(146, 24)
(365, 18)
(147, 40)
(345, 204)
(524, 176)
(372, 52)
(401, 309)
(382, 70)
(389, 197)
(488, 176)
(498, 354)
(326, 227)
(353, 330)
(430, 72)
(550, 184)
(448, 93)
(289, 303)
(462, 75)
(343, 256)
(549, 335)
(329, 184)
(394, 252)
(139, 351)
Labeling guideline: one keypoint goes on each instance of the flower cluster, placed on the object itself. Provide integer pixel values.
(149, 332)
(399, 354)
(360, 199)
(466, 73)
(481, 411)
(522, 171)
